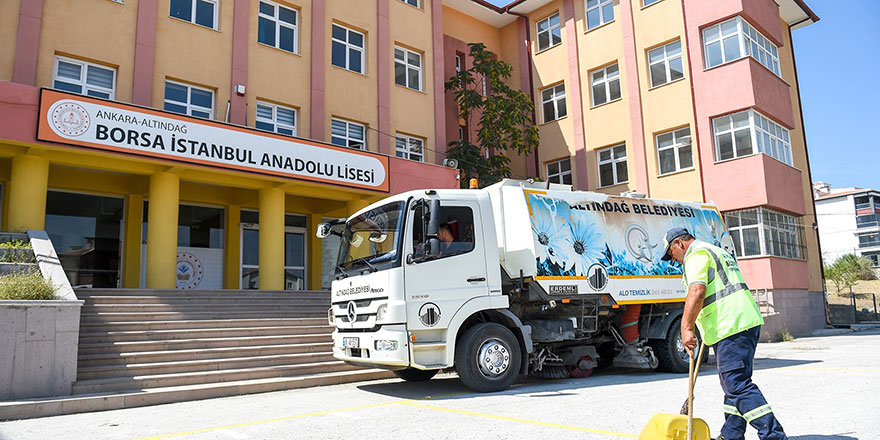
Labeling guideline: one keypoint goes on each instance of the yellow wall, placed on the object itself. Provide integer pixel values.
(8, 34)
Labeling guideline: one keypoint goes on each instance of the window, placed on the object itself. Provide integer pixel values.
(863, 202)
(189, 100)
(648, 2)
(762, 232)
(606, 85)
(559, 171)
(869, 240)
(874, 257)
(736, 38)
(200, 12)
(665, 64)
(458, 62)
(612, 165)
(277, 118)
(868, 221)
(457, 221)
(348, 134)
(416, 3)
(407, 68)
(277, 26)
(549, 32)
(749, 132)
(347, 49)
(553, 102)
(411, 148)
(599, 12)
(674, 151)
(85, 78)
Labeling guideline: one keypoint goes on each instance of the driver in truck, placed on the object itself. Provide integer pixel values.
(721, 305)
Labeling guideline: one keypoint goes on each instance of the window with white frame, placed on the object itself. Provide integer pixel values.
(200, 12)
(648, 2)
(599, 12)
(277, 26)
(736, 38)
(458, 62)
(189, 100)
(83, 77)
(348, 134)
(764, 232)
(674, 151)
(749, 132)
(605, 84)
(416, 3)
(612, 165)
(409, 147)
(559, 171)
(665, 64)
(549, 32)
(276, 118)
(407, 68)
(347, 48)
(553, 102)
(874, 257)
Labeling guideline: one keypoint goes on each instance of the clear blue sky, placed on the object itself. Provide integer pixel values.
(838, 69)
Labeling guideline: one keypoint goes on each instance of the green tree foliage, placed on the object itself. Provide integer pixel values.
(503, 116)
(847, 270)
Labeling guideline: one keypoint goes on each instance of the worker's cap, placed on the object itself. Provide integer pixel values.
(671, 235)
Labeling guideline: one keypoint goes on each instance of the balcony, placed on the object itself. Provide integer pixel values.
(775, 273)
(757, 180)
(868, 221)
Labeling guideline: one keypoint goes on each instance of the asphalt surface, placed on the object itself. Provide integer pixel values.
(822, 388)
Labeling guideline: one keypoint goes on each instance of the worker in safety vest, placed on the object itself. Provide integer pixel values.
(721, 305)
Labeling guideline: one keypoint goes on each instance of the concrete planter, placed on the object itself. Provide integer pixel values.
(11, 268)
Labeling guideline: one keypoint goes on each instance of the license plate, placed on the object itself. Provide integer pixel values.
(350, 343)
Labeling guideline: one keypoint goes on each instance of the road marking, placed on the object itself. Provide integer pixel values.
(514, 419)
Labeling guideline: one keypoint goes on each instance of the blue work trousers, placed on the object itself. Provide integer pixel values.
(743, 401)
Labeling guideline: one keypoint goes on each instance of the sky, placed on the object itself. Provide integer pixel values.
(838, 68)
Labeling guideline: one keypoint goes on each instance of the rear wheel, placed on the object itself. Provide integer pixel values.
(415, 375)
(670, 351)
(487, 357)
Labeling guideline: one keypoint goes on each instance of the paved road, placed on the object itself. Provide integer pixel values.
(820, 388)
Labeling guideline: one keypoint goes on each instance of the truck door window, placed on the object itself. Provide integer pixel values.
(456, 231)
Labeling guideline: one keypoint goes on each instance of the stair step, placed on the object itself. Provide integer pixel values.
(202, 377)
(302, 312)
(53, 406)
(119, 348)
(90, 293)
(286, 306)
(87, 360)
(225, 332)
(177, 299)
(90, 327)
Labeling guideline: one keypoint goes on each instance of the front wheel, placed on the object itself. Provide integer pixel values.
(415, 375)
(670, 351)
(487, 357)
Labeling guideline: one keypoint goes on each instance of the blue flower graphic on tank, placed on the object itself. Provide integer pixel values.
(585, 244)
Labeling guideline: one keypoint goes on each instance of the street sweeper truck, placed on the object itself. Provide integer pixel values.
(516, 278)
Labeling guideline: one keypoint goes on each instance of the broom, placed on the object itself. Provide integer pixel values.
(693, 380)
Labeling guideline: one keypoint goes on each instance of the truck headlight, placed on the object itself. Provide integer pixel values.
(385, 345)
(330, 317)
(381, 312)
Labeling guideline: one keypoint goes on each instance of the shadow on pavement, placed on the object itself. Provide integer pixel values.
(823, 437)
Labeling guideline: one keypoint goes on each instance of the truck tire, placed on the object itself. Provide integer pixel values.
(415, 375)
(670, 352)
(487, 357)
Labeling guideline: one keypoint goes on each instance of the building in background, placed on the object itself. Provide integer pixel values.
(690, 100)
(849, 222)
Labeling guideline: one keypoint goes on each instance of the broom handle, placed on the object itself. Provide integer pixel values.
(690, 432)
(699, 361)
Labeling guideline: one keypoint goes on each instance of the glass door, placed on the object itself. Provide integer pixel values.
(295, 252)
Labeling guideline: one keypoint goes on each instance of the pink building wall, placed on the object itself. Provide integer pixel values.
(775, 273)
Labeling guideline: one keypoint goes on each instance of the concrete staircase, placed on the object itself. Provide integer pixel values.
(143, 347)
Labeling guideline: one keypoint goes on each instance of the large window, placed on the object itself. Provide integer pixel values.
(553, 102)
(612, 165)
(605, 84)
(762, 232)
(348, 134)
(83, 77)
(559, 171)
(347, 49)
(278, 26)
(407, 68)
(869, 240)
(874, 257)
(189, 100)
(674, 151)
(599, 12)
(200, 12)
(864, 202)
(736, 38)
(549, 32)
(749, 132)
(277, 118)
(409, 147)
(665, 64)
(295, 251)
(868, 221)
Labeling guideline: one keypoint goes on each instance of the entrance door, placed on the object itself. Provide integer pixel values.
(294, 257)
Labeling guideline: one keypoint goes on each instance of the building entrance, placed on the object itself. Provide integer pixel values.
(294, 251)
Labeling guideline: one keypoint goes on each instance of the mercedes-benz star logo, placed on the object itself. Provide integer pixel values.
(352, 312)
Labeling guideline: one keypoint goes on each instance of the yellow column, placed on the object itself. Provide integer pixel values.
(315, 255)
(353, 206)
(131, 255)
(162, 231)
(233, 247)
(271, 239)
(28, 182)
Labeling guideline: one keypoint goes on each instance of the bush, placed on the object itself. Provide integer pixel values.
(26, 286)
(16, 251)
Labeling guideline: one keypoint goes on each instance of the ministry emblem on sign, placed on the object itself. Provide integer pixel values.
(70, 119)
(189, 271)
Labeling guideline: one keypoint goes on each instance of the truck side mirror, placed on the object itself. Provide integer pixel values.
(323, 230)
(433, 219)
(432, 247)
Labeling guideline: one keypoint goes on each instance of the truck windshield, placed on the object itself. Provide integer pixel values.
(372, 239)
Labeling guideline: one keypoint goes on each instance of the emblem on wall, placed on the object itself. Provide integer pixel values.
(429, 314)
(70, 119)
(189, 271)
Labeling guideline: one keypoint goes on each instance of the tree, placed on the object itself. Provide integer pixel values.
(847, 270)
(505, 118)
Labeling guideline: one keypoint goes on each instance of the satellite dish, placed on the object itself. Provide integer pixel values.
(451, 163)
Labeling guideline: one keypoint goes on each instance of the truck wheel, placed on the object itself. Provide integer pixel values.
(415, 375)
(670, 351)
(487, 357)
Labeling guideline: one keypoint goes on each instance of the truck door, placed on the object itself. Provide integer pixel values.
(437, 287)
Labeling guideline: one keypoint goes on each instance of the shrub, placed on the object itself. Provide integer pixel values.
(26, 286)
(784, 336)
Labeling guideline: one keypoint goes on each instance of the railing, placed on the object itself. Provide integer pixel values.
(762, 298)
(868, 244)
